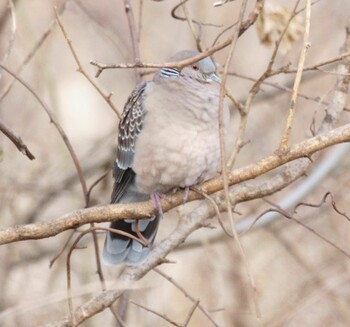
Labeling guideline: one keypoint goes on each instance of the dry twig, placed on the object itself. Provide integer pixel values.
(16, 140)
(12, 35)
(58, 127)
(183, 291)
(33, 51)
(81, 70)
(135, 37)
(306, 45)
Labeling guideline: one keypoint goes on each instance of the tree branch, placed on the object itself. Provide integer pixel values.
(140, 210)
(16, 140)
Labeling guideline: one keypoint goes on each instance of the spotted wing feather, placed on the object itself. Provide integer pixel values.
(130, 126)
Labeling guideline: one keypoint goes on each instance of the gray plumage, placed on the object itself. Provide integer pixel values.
(168, 138)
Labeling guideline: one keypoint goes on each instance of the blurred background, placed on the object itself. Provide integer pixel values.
(301, 280)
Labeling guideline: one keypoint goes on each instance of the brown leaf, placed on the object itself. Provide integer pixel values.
(271, 23)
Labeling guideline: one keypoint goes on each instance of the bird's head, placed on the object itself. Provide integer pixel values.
(202, 71)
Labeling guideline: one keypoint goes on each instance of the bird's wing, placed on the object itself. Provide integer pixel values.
(130, 126)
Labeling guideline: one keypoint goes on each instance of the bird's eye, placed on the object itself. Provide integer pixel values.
(195, 67)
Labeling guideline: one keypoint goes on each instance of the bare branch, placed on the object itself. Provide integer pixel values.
(224, 167)
(59, 128)
(12, 35)
(163, 316)
(288, 215)
(16, 140)
(183, 291)
(145, 209)
(81, 70)
(328, 194)
(33, 51)
(244, 110)
(135, 38)
(190, 314)
(306, 45)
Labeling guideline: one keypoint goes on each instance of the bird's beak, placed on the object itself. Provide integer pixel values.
(213, 77)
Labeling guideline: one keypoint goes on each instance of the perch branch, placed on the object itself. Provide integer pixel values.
(140, 210)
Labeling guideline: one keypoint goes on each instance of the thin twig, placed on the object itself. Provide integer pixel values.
(280, 39)
(140, 18)
(179, 65)
(254, 90)
(16, 140)
(216, 208)
(190, 314)
(54, 259)
(33, 51)
(135, 37)
(314, 66)
(190, 21)
(328, 194)
(175, 16)
(284, 88)
(58, 127)
(183, 291)
(95, 183)
(68, 259)
(306, 45)
(98, 258)
(288, 215)
(224, 164)
(163, 316)
(321, 236)
(229, 27)
(12, 35)
(81, 70)
(108, 100)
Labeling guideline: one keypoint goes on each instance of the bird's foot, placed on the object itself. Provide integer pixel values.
(186, 193)
(155, 197)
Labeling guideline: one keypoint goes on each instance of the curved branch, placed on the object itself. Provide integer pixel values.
(59, 129)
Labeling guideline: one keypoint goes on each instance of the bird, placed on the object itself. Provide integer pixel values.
(168, 138)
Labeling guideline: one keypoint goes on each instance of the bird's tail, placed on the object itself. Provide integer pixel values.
(119, 248)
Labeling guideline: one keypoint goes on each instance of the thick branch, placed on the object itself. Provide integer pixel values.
(145, 209)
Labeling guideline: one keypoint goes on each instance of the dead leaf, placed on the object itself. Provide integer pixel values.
(271, 23)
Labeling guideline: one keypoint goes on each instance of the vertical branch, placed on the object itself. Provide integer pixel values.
(134, 37)
(223, 158)
(33, 51)
(81, 178)
(244, 111)
(107, 98)
(341, 87)
(306, 45)
(12, 35)
(140, 18)
(197, 38)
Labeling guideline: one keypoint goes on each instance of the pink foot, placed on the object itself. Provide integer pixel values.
(156, 202)
(186, 192)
